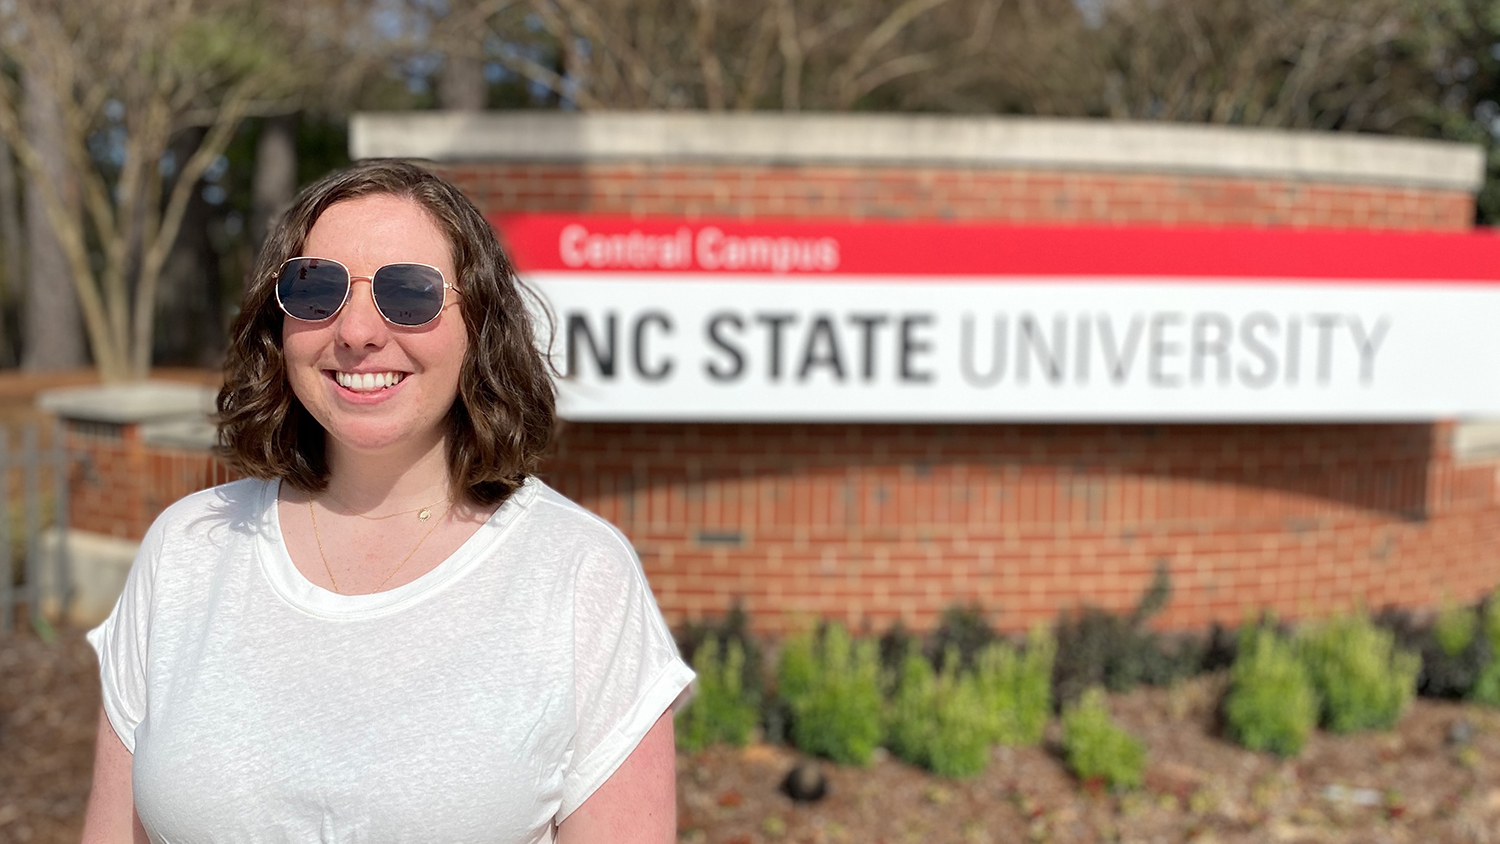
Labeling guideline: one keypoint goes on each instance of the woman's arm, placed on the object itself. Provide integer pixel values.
(111, 817)
(638, 803)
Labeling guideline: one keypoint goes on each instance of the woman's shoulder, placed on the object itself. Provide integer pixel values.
(567, 522)
(238, 503)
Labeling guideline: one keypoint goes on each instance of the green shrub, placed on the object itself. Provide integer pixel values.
(1096, 749)
(1455, 628)
(1363, 682)
(831, 685)
(909, 722)
(1452, 657)
(1271, 704)
(733, 626)
(722, 710)
(1017, 687)
(965, 628)
(1487, 687)
(894, 645)
(1097, 647)
(939, 720)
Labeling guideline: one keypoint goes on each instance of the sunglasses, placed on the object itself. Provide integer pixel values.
(408, 295)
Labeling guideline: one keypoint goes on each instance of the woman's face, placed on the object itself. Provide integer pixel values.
(423, 362)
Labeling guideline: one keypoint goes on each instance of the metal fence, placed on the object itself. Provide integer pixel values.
(34, 486)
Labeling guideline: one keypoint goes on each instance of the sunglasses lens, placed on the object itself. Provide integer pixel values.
(408, 294)
(311, 288)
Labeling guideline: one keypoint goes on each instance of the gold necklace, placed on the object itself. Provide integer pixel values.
(423, 513)
(327, 569)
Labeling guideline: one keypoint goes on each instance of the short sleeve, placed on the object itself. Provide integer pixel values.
(627, 671)
(121, 644)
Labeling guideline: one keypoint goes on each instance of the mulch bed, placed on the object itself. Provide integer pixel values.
(49, 703)
(1436, 778)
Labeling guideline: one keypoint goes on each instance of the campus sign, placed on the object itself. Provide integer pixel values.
(724, 320)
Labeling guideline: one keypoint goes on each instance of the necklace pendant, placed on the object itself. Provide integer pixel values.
(424, 514)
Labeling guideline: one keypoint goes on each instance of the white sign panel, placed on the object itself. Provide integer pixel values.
(678, 343)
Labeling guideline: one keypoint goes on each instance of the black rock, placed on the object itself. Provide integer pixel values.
(805, 783)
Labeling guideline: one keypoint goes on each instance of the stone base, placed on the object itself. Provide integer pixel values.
(97, 566)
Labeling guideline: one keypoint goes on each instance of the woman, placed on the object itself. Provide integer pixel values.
(391, 631)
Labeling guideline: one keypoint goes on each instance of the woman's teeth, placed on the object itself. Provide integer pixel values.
(367, 380)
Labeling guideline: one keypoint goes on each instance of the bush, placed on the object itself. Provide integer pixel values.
(1017, 687)
(1096, 749)
(1455, 628)
(1271, 704)
(965, 629)
(895, 643)
(909, 725)
(939, 720)
(722, 710)
(1363, 682)
(1452, 655)
(1487, 686)
(831, 685)
(733, 627)
(1098, 647)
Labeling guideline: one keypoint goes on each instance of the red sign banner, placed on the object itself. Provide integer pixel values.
(564, 243)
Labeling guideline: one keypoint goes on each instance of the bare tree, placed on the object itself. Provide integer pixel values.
(11, 250)
(1287, 63)
(462, 86)
(1423, 67)
(130, 77)
(275, 180)
(50, 316)
(718, 55)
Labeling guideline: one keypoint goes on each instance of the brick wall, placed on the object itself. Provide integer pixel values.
(959, 194)
(119, 482)
(873, 522)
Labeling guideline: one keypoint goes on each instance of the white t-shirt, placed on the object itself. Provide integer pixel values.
(483, 701)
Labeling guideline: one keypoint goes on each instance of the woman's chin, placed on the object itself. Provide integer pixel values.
(366, 441)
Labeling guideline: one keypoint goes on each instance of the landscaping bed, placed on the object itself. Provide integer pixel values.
(1409, 785)
(1434, 778)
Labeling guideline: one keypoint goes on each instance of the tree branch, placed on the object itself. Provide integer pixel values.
(708, 59)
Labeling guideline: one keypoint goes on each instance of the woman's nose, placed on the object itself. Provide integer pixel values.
(359, 321)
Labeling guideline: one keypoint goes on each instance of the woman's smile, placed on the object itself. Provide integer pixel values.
(367, 382)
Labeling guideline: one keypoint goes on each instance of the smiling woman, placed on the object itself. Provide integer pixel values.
(392, 630)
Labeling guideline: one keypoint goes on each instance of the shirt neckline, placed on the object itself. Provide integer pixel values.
(294, 588)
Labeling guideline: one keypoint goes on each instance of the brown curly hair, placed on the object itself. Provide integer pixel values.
(503, 418)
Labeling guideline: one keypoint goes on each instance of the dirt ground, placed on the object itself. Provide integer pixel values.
(1435, 779)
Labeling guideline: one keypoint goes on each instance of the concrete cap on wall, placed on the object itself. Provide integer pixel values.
(916, 140)
(124, 404)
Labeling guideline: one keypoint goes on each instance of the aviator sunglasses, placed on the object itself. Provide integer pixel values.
(408, 295)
